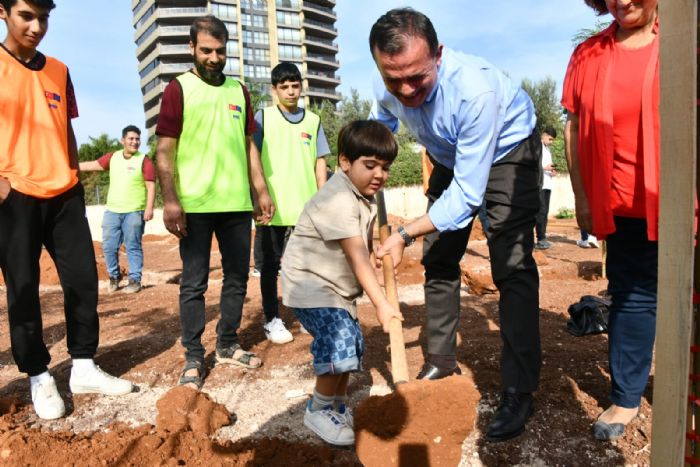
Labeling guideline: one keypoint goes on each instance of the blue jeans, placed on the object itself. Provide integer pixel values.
(632, 278)
(128, 229)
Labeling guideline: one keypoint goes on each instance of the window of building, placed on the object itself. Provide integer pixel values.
(260, 55)
(232, 29)
(232, 48)
(146, 33)
(255, 4)
(255, 37)
(224, 11)
(286, 34)
(256, 21)
(233, 66)
(145, 16)
(257, 71)
(289, 52)
(150, 67)
(151, 84)
(296, 4)
(288, 18)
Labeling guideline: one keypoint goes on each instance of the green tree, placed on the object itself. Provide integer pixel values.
(549, 114)
(259, 95)
(406, 169)
(584, 33)
(96, 183)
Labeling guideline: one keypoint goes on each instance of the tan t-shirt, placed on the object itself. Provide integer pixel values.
(315, 271)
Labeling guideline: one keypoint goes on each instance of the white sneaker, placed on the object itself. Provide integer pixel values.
(346, 412)
(97, 381)
(277, 333)
(255, 273)
(592, 241)
(583, 243)
(47, 401)
(330, 426)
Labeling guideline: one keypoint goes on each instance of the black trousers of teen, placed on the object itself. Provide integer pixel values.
(273, 240)
(512, 202)
(58, 224)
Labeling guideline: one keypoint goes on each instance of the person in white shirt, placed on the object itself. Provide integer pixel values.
(549, 134)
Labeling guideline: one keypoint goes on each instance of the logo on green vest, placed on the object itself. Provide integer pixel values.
(306, 138)
(236, 110)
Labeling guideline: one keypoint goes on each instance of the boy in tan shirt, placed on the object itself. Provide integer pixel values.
(327, 266)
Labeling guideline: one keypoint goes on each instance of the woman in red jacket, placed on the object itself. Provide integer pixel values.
(611, 94)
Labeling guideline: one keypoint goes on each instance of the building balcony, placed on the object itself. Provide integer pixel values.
(322, 77)
(152, 115)
(180, 15)
(294, 5)
(154, 93)
(162, 32)
(320, 28)
(165, 69)
(322, 61)
(314, 92)
(314, 43)
(317, 11)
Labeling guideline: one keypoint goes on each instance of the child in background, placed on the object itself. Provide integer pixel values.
(327, 266)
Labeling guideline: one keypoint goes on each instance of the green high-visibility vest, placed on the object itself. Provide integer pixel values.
(127, 188)
(211, 162)
(289, 162)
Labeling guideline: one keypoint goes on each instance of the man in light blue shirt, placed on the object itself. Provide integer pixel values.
(478, 128)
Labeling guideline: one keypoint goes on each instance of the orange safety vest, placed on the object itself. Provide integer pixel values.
(34, 128)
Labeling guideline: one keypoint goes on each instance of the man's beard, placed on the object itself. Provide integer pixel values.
(211, 76)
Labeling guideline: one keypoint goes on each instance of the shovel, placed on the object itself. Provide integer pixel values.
(399, 365)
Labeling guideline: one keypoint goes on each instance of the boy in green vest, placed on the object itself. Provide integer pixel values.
(293, 147)
(132, 190)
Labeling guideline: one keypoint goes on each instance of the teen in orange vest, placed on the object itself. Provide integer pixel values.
(42, 204)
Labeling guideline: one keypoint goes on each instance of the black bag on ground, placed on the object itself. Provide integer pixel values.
(588, 316)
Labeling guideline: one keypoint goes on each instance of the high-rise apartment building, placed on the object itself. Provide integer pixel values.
(261, 34)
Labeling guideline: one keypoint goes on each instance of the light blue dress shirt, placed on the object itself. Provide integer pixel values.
(473, 117)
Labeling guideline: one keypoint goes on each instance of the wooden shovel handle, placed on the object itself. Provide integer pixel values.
(399, 365)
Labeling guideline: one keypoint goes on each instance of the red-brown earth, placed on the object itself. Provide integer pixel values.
(139, 340)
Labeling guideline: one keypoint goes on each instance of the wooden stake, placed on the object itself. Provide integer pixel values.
(678, 77)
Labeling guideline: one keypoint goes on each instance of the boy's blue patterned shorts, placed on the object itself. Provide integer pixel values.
(338, 344)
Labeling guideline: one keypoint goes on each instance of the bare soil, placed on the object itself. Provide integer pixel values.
(254, 417)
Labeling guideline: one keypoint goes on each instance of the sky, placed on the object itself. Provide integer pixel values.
(525, 38)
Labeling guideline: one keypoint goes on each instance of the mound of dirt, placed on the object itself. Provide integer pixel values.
(186, 419)
(184, 409)
(422, 423)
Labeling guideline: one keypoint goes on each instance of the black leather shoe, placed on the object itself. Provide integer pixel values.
(430, 371)
(512, 414)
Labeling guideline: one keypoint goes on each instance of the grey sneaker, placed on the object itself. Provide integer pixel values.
(113, 284)
(133, 287)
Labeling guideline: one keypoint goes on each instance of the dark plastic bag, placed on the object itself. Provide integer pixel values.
(588, 316)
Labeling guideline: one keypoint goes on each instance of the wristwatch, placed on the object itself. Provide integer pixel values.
(407, 239)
